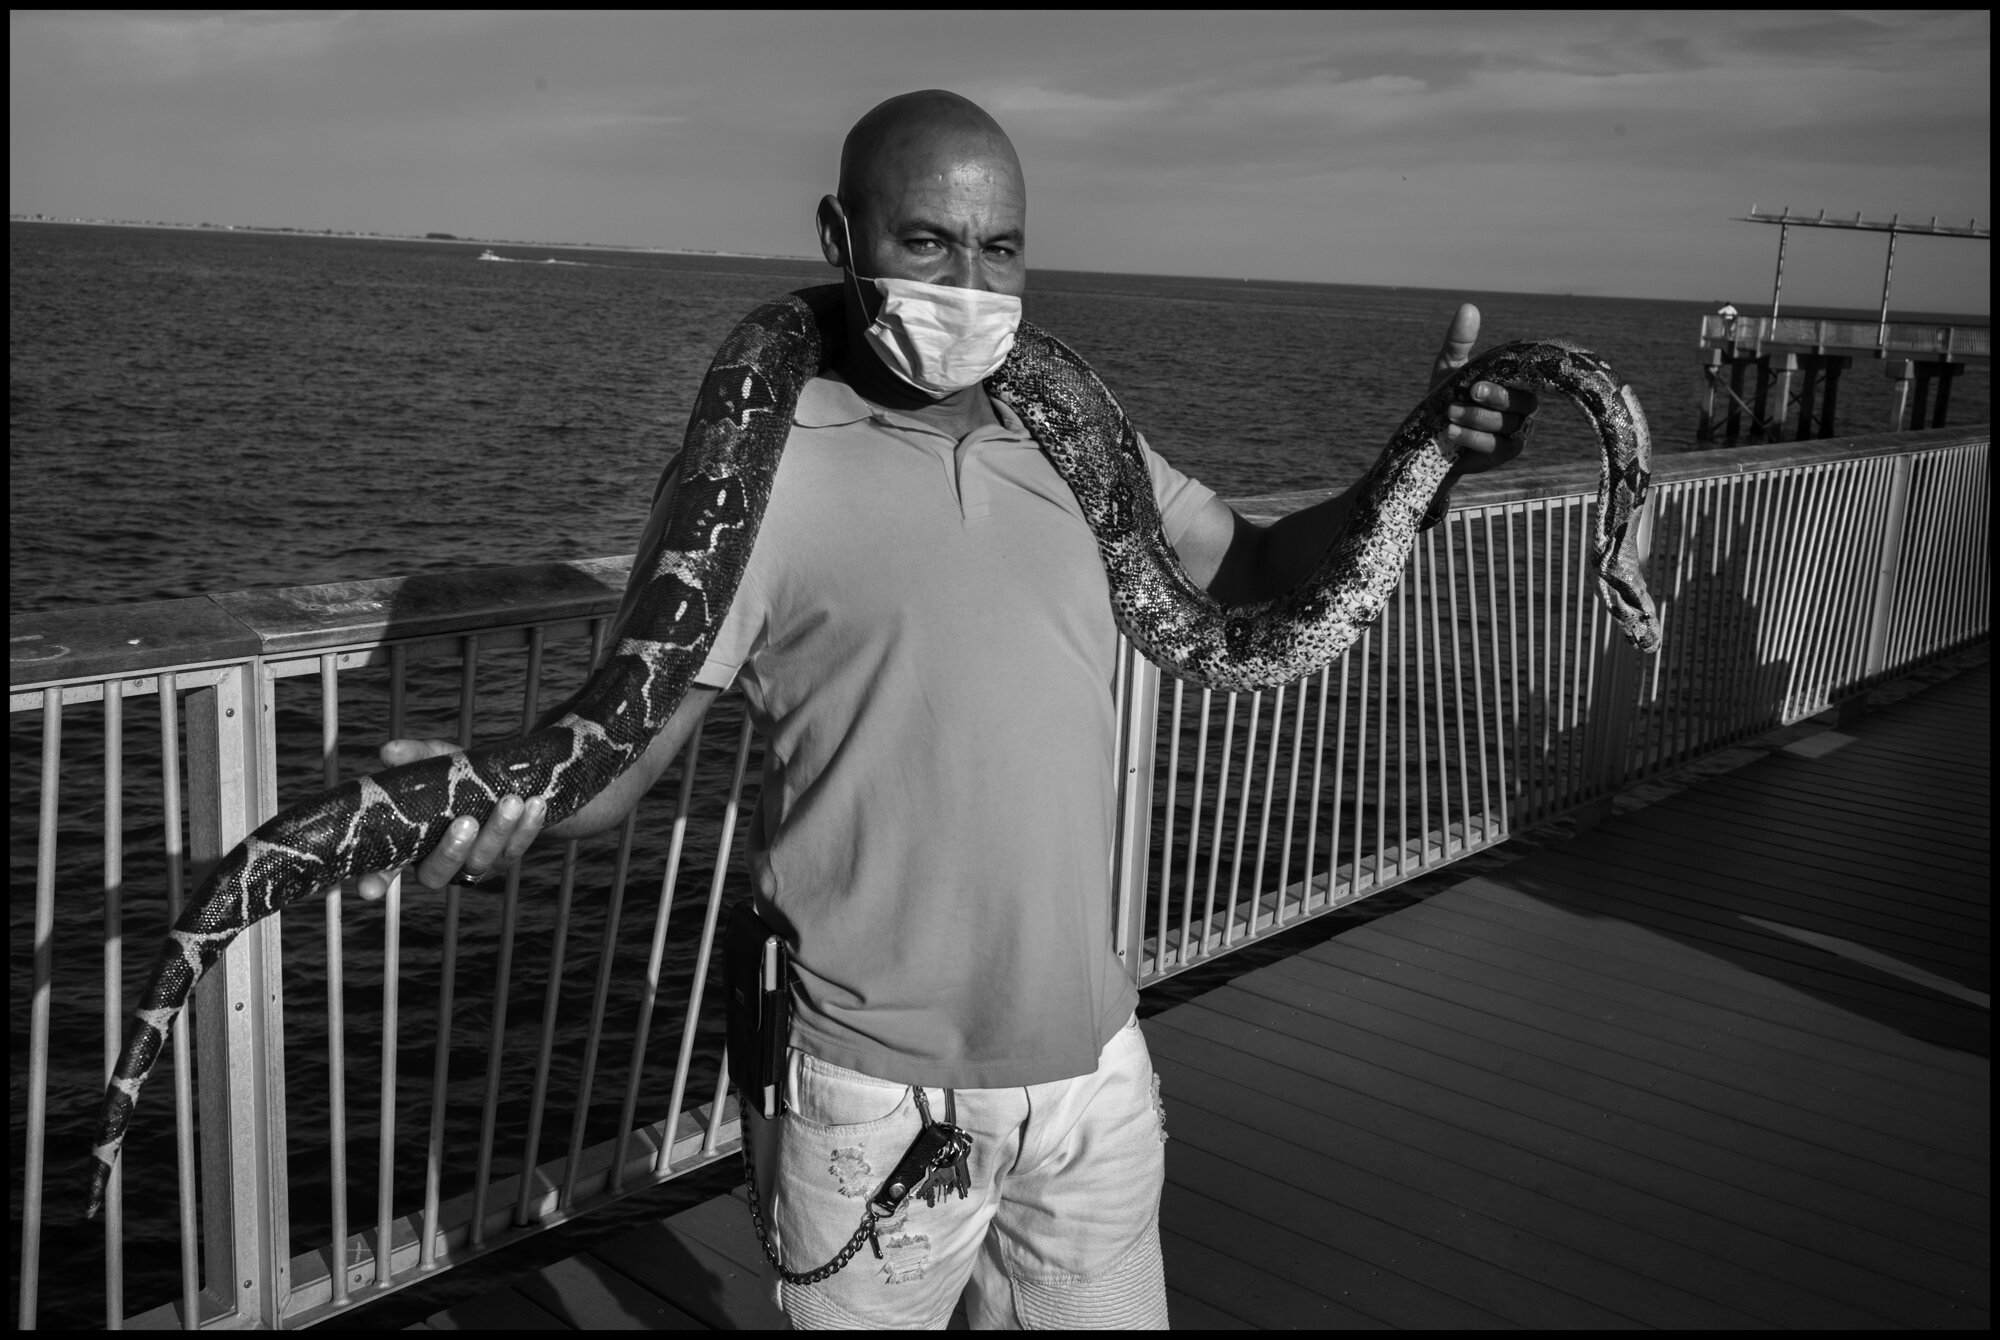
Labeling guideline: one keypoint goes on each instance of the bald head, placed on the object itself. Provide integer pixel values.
(913, 134)
(930, 189)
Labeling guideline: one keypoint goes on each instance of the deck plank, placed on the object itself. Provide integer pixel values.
(1264, 1177)
(1938, 821)
(1393, 1183)
(504, 1309)
(1900, 899)
(588, 1294)
(1820, 1072)
(1840, 982)
(1747, 1005)
(1254, 1296)
(1499, 999)
(1941, 884)
(1850, 902)
(1534, 1077)
(678, 1260)
(1427, 1155)
(1489, 1260)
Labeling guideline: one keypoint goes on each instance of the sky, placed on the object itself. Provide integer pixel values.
(1515, 151)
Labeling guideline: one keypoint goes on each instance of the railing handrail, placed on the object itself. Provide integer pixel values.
(147, 637)
(1524, 481)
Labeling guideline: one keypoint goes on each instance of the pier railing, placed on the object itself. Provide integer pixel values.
(501, 1081)
(1903, 339)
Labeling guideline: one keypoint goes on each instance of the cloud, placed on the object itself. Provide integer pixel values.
(1166, 143)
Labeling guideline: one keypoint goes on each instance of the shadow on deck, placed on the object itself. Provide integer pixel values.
(1723, 1061)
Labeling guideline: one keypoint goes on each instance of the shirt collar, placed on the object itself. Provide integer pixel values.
(827, 402)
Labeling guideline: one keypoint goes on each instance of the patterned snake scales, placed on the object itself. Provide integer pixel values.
(741, 418)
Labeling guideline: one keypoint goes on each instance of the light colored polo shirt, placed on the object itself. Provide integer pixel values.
(924, 635)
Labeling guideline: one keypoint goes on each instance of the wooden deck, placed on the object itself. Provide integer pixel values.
(1723, 1061)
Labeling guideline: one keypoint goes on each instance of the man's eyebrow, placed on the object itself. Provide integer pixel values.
(919, 224)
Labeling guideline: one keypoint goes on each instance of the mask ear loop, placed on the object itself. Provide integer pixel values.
(860, 297)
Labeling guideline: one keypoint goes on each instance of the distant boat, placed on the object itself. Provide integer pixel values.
(487, 255)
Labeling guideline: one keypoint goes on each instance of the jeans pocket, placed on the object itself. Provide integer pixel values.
(827, 1097)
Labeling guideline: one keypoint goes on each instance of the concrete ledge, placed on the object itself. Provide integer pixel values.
(103, 640)
(301, 618)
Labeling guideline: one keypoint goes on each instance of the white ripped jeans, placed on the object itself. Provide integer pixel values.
(1060, 1229)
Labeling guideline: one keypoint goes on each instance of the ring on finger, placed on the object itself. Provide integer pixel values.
(469, 876)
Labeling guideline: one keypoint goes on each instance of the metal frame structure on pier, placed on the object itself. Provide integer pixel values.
(1786, 221)
(1809, 346)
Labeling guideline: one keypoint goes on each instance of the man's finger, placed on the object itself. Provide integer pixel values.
(1504, 399)
(489, 847)
(374, 886)
(1459, 338)
(397, 753)
(524, 836)
(445, 859)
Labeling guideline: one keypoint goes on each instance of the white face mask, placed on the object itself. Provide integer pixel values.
(940, 339)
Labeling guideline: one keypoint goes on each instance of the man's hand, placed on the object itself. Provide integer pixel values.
(467, 846)
(1492, 425)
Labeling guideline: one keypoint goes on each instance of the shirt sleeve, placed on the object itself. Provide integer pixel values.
(741, 626)
(1180, 496)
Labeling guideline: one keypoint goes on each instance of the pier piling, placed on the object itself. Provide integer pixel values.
(1942, 372)
(1821, 372)
(1899, 371)
(1763, 427)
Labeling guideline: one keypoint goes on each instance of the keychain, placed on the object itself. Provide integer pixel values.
(935, 1164)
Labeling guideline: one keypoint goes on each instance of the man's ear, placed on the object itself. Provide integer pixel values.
(832, 237)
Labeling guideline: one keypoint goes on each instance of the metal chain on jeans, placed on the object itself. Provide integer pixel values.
(865, 1233)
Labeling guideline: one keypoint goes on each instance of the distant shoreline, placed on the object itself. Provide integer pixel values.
(452, 239)
(1802, 309)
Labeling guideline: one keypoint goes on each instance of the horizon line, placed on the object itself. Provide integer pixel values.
(288, 230)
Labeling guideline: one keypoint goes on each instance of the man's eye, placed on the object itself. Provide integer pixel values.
(920, 243)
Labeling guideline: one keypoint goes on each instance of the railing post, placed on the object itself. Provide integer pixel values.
(1888, 568)
(1140, 707)
(238, 1018)
(1611, 759)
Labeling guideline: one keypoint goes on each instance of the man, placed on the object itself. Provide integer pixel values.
(924, 637)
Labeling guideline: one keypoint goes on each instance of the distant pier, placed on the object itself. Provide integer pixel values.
(1777, 379)
(1783, 374)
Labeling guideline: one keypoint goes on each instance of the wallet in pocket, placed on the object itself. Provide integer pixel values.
(757, 977)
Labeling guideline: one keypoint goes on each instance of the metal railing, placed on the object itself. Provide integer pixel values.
(1491, 696)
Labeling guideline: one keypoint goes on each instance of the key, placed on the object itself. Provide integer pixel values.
(949, 1171)
(960, 1172)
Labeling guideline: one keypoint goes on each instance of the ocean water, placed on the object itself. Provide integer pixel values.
(197, 411)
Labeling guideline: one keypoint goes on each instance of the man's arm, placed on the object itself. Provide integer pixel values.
(513, 826)
(1239, 562)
